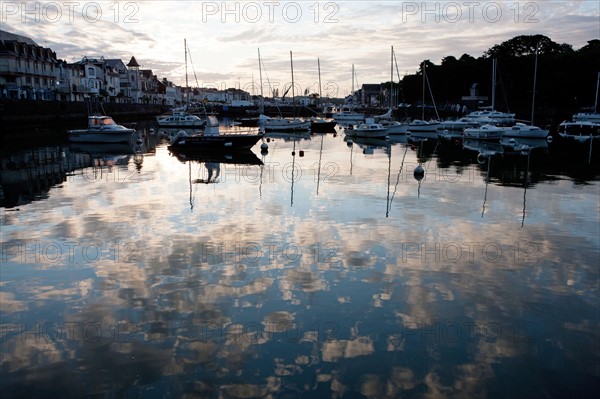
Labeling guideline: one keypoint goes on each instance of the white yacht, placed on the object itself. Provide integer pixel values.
(526, 131)
(373, 130)
(101, 129)
(484, 132)
(180, 119)
(579, 131)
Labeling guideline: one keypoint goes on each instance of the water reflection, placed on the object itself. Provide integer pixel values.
(364, 286)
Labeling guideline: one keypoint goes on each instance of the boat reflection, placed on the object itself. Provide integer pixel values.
(368, 145)
(240, 157)
(524, 144)
(287, 136)
(212, 160)
(484, 148)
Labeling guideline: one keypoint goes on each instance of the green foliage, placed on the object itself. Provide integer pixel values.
(566, 78)
(524, 45)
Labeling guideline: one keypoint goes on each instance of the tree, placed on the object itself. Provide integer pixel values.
(526, 45)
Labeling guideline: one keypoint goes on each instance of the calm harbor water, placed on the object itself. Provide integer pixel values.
(320, 269)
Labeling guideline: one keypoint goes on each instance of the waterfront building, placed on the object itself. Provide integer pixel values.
(27, 70)
(369, 94)
(135, 85)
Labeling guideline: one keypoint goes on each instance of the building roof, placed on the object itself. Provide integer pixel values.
(371, 86)
(114, 62)
(12, 37)
(133, 62)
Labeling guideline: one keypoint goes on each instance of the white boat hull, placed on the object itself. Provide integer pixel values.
(430, 127)
(181, 124)
(527, 133)
(485, 132)
(286, 125)
(401, 128)
(86, 136)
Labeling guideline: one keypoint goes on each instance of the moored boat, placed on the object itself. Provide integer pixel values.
(458, 124)
(497, 117)
(373, 130)
(484, 132)
(217, 142)
(285, 124)
(318, 125)
(180, 119)
(347, 115)
(101, 129)
(579, 131)
(526, 131)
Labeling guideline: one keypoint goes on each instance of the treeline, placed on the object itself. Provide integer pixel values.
(566, 78)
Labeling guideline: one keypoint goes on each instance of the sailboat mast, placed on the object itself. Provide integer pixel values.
(293, 96)
(185, 52)
(391, 77)
(423, 98)
(534, 82)
(262, 98)
(319, 69)
(493, 84)
(597, 88)
(352, 78)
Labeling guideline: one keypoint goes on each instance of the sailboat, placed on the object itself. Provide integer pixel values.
(281, 124)
(420, 128)
(182, 118)
(521, 130)
(319, 125)
(590, 116)
(492, 116)
(585, 125)
(387, 119)
(210, 138)
(347, 114)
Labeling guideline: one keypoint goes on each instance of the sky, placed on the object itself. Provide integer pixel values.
(223, 37)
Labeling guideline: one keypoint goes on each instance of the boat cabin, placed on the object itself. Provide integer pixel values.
(101, 122)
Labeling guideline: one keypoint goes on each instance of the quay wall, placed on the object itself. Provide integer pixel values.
(32, 113)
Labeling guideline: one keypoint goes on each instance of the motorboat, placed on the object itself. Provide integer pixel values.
(459, 124)
(373, 130)
(587, 116)
(101, 129)
(523, 130)
(484, 132)
(181, 119)
(496, 117)
(285, 124)
(579, 131)
(347, 115)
